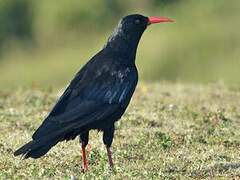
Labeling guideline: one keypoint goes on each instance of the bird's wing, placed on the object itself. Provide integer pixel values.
(91, 96)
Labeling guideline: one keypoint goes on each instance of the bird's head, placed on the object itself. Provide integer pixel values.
(130, 29)
(135, 24)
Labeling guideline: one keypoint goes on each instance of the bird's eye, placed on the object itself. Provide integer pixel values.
(137, 21)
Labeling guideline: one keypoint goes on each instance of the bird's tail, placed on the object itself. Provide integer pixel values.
(35, 148)
(40, 146)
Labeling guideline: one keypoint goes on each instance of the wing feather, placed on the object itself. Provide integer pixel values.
(90, 99)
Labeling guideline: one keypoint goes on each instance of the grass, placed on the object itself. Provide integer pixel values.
(169, 131)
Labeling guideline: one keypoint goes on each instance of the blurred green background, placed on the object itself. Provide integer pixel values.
(44, 43)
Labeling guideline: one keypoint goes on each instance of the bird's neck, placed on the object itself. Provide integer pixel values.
(122, 44)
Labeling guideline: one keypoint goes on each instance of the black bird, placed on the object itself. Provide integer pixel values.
(97, 96)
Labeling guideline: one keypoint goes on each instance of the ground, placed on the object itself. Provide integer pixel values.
(170, 131)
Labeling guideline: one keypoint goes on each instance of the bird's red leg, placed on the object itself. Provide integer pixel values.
(84, 159)
(109, 153)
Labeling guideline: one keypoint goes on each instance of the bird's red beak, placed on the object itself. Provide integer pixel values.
(153, 20)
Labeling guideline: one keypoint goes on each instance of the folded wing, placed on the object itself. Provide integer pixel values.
(89, 100)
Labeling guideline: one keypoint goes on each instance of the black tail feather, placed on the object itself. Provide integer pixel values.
(35, 149)
(24, 149)
(39, 147)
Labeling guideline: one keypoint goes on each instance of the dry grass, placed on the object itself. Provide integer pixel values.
(169, 131)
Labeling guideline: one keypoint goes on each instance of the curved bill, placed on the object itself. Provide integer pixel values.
(153, 20)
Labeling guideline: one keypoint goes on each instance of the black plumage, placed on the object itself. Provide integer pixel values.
(97, 96)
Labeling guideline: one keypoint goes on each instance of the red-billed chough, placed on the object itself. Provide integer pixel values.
(98, 95)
